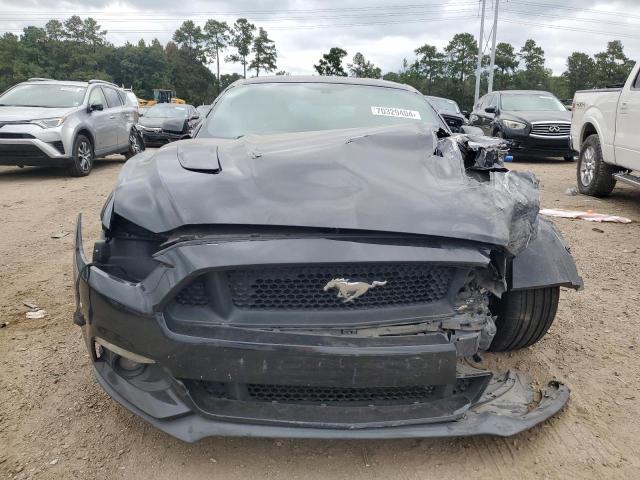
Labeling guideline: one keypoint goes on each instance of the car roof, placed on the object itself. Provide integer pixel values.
(523, 92)
(372, 82)
(74, 83)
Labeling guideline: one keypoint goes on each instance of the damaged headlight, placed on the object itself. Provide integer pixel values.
(514, 125)
(49, 122)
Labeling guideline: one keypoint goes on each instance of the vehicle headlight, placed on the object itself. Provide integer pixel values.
(49, 122)
(514, 125)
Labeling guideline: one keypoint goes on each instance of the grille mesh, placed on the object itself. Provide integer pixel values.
(551, 129)
(193, 294)
(301, 287)
(333, 395)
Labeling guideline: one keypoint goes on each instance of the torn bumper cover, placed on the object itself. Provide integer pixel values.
(170, 364)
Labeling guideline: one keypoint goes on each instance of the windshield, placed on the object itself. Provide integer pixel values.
(165, 110)
(444, 104)
(532, 102)
(43, 95)
(272, 108)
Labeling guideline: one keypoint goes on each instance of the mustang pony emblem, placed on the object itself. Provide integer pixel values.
(351, 290)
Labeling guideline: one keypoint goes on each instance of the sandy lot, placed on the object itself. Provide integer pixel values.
(55, 422)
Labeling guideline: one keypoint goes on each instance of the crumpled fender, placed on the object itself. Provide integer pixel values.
(546, 262)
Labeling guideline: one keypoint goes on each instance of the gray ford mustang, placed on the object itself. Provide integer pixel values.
(323, 259)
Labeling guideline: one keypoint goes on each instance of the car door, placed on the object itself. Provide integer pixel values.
(105, 136)
(488, 117)
(475, 118)
(627, 140)
(118, 116)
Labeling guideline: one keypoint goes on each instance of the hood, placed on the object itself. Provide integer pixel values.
(392, 179)
(536, 116)
(166, 123)
(19, 114)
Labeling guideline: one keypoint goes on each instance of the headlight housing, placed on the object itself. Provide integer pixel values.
(514, 125)
(49, 122)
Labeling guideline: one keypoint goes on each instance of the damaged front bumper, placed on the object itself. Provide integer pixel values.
(193, 379)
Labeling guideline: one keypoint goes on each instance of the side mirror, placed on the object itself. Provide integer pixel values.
(469, 130)
(465, 113)
(195, 117)
(96, 106)
(490, 109)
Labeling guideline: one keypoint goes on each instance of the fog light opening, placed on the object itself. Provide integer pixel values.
(129, 367)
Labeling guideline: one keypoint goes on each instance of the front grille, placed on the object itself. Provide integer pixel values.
(193, 294)
(551, 129)
(17, 152)
(302, 287)
(16, 135)
(338, 395)
(204, 391)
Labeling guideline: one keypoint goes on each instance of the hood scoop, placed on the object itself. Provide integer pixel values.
(197, 157)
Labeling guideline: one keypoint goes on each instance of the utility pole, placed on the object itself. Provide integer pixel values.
(493, 46)
(480, 41)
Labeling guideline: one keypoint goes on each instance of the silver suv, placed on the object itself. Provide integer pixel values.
(56, 123)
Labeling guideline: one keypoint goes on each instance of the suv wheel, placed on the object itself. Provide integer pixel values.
(136, 145)
(595, 177)
(82, 161)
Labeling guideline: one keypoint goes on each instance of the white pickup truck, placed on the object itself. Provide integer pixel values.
(605, 129)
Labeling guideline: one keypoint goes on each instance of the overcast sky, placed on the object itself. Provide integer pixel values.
(384, 31)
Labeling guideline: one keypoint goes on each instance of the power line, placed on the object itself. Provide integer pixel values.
(303, 27)
(578, 9)
(422, 5)
(274, 19)
(571, 29)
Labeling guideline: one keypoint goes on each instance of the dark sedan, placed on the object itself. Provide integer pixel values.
(535, 122)
(449, 111)
(167, 122)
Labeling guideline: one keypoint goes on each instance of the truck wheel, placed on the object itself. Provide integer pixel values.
(523, 317)
(82, 160)
(595, 177)
(136, 145)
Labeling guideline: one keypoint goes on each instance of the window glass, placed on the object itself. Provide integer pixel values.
(273, 108)
(532, 102)
(96, 97)
(492, 100)
(113, 99)
(47, 95)
(636, 84)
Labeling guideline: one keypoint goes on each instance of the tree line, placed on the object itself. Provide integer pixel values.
(77, 49)
(451, 72)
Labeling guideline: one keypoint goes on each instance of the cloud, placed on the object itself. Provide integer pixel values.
(385, 32)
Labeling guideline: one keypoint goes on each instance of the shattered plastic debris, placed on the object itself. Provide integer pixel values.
(37, 314)
(30, 304)
(572, 192)
(588, 216)
(59, 235)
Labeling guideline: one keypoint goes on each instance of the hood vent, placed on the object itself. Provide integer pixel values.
(201, 158)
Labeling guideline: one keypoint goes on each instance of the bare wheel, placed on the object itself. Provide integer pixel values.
(523, 317)
(135, 145)
(595, 177)
(82, 161)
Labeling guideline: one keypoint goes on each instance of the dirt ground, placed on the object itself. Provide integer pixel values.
(55, 422)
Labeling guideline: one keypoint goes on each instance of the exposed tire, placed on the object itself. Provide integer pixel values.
(136, 145)
(83, 157)
(594, 176)
(523, 317)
